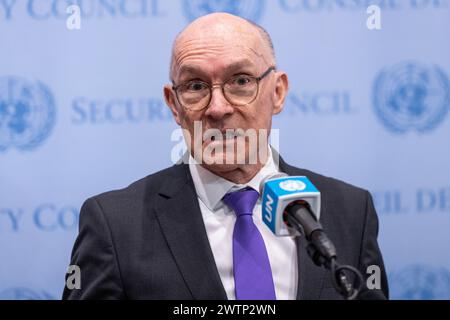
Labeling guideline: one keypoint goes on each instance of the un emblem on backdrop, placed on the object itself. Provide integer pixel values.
(411, 97)
(420, 282)
(248, 9)
(27, 113)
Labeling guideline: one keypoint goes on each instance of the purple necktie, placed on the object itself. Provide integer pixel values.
(251, 266)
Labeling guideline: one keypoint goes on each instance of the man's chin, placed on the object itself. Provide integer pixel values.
(223, 160)
(220, 169)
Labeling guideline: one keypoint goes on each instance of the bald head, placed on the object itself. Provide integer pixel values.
(224, 28)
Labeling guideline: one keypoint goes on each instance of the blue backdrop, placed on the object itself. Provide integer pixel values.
(81, 112)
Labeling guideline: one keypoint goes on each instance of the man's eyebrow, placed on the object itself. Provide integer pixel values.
(240, 65)
(187, 68)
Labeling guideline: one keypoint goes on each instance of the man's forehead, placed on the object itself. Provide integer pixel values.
(218, 26)
(210, 59)
(218, 44)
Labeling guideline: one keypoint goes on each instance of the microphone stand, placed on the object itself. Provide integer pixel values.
(323, 253)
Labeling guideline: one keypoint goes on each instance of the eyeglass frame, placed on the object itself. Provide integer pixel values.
(221, 85)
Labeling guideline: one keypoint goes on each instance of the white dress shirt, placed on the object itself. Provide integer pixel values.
(219, 222)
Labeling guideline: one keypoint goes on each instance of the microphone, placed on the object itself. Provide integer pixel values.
(291, 207)
(278, 192)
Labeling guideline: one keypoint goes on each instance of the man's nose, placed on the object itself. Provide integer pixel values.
(219, 105)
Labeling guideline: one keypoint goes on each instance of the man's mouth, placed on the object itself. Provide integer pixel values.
(226, 135)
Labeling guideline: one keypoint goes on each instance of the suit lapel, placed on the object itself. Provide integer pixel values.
(179, 215)
(310, 276)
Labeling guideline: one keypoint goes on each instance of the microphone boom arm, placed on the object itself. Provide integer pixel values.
(321, 249)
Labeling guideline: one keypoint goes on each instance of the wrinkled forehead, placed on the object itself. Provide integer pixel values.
(216, 53)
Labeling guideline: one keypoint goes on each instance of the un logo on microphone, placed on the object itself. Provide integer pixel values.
(292, 185)
(411, 97)
(248, 9)
(27, 113)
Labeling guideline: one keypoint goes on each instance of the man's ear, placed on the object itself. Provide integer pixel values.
(280, 92)
(169, 97)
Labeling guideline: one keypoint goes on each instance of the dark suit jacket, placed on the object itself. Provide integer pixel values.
(148, 241)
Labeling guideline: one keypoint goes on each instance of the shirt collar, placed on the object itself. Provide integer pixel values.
(211, 188)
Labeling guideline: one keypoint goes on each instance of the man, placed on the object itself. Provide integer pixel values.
(188, 232)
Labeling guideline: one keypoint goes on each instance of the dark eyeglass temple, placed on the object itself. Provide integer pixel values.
(266, 73)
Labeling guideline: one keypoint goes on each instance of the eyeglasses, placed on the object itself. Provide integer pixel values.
(239, 90)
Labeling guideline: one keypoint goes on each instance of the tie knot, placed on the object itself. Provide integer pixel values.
(242, 201)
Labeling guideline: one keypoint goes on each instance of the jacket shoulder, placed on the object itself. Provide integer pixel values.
(137, 192)
(329, 184)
